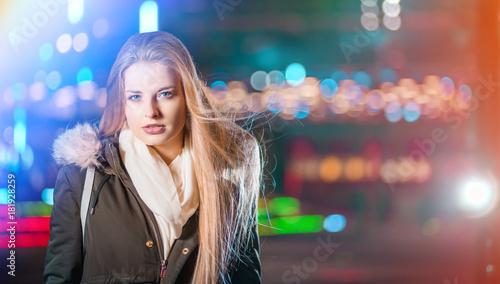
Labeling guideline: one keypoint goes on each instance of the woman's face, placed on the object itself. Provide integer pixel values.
(155, 106)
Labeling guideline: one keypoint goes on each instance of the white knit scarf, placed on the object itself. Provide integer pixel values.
(170, 191)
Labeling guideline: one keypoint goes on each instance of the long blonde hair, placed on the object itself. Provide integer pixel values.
(228, 159)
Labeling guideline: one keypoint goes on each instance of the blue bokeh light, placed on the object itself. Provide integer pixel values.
(276, 103)
(388, 75)
(84, 76)
(300, 109)
(48, 196)
(334, 223)
(46, 51)
(328, 88)
(53, 80)
(295, 74)
(4, 193)
(393, 111)
(27, 158)
(18, 92)
(148, 17)
(219, 89)
(20, 136)
(338, 76)
(411, 112)
(363, 78)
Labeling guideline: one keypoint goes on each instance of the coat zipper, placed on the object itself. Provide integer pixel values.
(152, 222)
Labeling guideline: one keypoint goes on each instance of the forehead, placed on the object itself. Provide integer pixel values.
(149, 75)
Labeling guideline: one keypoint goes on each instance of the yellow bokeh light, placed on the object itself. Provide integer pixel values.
(330, 169)
(354, 169)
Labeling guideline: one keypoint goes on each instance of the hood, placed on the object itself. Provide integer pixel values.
(80, 146)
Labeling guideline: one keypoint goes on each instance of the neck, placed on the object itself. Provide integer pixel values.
(169, 151)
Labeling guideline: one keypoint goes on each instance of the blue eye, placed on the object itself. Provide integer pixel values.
(134, 97)
(166, 94)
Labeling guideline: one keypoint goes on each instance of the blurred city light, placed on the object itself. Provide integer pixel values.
(48, 196)
(478, 196)
(64, 43)
(80, 42)
(148, 17)
(334, 223)
(295, 74)
(75, 11)
(46, 51)
(328, 88)
(283, 206)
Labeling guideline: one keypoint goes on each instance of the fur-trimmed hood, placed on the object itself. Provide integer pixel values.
(80, 146)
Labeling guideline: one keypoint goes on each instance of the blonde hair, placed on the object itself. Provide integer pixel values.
(228, 159)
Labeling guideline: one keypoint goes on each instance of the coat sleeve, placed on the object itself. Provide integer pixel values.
(248, 268)
(64, 259)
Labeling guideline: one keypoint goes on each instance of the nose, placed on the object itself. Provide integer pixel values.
(151, 110)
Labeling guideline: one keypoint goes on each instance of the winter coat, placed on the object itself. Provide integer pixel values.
(122, 238)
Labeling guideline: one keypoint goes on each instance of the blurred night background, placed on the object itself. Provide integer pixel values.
(382, 134)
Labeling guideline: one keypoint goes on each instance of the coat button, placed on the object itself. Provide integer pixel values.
(149, 243)
(185, 251)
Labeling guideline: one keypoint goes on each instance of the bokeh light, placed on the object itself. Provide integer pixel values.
(8, 135)
(374, 102)
(354, 95)
(328, 88)
(218, 89)
(388, 75)
(464, 93)
(63, 43)
(300, 109)
(148, 17)
(276, 103)
(391, 9)
(446, 86)
(27, 158)
(75, 10)
(46, 51)
(370, 21)
(80, 42)
(411, 112)
(330, 169)
(295, 74)
(392, 23)
(53, 80)
(65, 97)
(354, 169)
(363, 78)
(334, 223)
(393, 111)
(84, 76)
(48, 196)
(20, 136)
(18, 91)
(259, 80)
(276, 80)
(283, 206)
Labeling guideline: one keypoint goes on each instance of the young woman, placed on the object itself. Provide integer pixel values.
(176, 184)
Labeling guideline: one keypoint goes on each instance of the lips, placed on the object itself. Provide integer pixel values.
(154, 128)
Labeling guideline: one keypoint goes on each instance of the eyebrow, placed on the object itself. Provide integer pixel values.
(161, 89)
